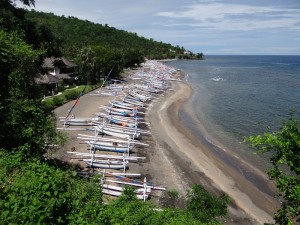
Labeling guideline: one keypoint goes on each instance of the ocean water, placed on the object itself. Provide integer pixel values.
(238, 96)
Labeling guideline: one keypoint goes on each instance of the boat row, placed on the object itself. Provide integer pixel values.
(117, 129)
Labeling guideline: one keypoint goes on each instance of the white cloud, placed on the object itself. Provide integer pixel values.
(235, 16)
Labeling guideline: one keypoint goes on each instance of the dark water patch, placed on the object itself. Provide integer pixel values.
(226, 157)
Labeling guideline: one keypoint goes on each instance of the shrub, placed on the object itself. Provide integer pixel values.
(58, 100)
(204, 206)
(71, 94)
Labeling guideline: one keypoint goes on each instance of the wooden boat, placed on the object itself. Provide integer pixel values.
(140, 196)
(110, 146)
(120, 112)
(140, 97)
(123, 157)
(137, 183)
(121, 188)
(135, 119)
(121, 133)
(123, 105)
(122, 123)
(116, 165)
(78, 121)
(132, 101)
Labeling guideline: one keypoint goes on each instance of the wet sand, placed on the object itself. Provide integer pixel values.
(197, 164)
(177, 159)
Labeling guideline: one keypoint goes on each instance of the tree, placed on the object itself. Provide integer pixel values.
(205, 207)
(200, 56)
(25, 124)
(285, 147)
(87, 65)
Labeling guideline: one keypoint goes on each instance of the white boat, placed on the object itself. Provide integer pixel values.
(110, 146)
(140, 196)
(135, 119)
(121, 188)
(133, 102)
(116, 165)
(124, 157)
(140, 97)
(123, 105)
(120, 112)
(121, 133)
(122, 123)
(137, 183)
(78, 121)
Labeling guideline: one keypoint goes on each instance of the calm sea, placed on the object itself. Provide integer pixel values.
(237, 96)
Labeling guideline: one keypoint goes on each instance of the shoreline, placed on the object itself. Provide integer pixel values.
(176, 158)
(216, 175)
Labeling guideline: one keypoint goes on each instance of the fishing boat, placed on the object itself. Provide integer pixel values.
(140, 196)
(120, 112)
(122, 188)
(116, 165)
(112, 146)
(123, 105)
(100, 156)
(120, 132)
(72, 121)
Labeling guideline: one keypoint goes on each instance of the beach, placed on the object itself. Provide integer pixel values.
(176, 158)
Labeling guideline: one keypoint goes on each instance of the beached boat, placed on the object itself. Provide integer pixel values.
(137, 183)
(139, 96)
(122, 123)
(140, 196)
(100, 156)
(71, 121)
(121, 133)
(122, 188)
(119, 112)
(132, 101)
(112, 146)
(123, 105)
(116, 165)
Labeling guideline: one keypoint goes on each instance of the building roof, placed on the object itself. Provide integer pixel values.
(60, 62)
(47, 79)
(63, 76)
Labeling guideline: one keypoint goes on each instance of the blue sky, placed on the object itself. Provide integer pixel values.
(257, 27)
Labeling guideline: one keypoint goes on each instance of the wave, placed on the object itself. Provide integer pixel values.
(217, 79)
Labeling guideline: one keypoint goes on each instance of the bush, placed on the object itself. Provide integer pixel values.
(58, 100)
(204, 206)
(71, 94)
(48, 102)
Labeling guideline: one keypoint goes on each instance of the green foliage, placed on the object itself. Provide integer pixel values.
(71, 94)
(36, 192)
(32, 192)
(74, 33)
(205, 207)
(67, 95)
(285, 147)
(59, 100)
(38, 36)
(24, 121)
(173, 193)
(129, 210)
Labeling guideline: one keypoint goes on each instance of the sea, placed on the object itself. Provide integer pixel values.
(238, 96)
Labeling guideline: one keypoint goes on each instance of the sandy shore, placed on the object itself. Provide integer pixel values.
(176, 159)
(194, 163)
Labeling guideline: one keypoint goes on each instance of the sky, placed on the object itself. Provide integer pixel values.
(213, 27)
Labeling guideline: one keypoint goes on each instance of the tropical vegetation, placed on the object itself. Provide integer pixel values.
(285, 147)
